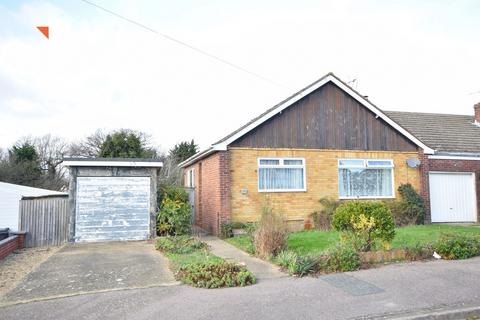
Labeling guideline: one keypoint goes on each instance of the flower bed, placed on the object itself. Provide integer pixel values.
(194, 264)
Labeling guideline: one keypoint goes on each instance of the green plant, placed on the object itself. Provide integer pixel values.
(410, 209)
(226, 229)
(215, 275)
(322, 219)
(303, 265)
(452, 247)
(270, 237)
(174, 217)
(418, 251)
(340, 258)
(364, 223)
(179, 244)
(286, 258)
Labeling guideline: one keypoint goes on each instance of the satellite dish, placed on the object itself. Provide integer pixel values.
(413, 162)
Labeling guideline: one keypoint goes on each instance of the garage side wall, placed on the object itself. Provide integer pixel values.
(429, 165)
(76, 172)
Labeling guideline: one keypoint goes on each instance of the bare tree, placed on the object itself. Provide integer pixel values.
(90, 146)
(51, 151)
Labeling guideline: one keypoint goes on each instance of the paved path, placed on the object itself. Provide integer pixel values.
(94, 267)
(260, 268)
(387, 291)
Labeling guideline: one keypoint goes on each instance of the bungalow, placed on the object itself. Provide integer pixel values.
(327, 140)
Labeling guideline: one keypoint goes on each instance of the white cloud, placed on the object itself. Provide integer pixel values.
(97, 71)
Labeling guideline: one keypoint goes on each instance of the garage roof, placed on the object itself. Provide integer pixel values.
(112, 162)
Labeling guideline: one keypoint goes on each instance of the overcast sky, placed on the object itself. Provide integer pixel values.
(98, 71)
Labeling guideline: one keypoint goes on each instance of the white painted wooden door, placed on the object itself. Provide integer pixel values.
(452, 197)
(112, 208)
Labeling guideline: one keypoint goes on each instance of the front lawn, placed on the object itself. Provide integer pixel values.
(315, 241)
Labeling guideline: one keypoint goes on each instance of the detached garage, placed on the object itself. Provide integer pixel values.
(112, 199)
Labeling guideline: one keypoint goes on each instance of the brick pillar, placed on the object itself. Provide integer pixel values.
(424, 184)
(225, 183)
(21, 238)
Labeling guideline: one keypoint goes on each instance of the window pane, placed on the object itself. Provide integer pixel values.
(280, 178)
(270, 161)
(365, 182)
(379, 163)
(351, 163)
(292, 162)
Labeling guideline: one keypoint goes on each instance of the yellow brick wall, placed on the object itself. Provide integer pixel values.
(321, 180)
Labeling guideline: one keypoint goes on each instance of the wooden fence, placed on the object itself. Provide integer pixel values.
(45, 219)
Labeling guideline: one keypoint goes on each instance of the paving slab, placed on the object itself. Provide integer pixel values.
(260, 268)
(94, 267)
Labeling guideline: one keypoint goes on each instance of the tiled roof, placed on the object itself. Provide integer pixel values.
(442, 132)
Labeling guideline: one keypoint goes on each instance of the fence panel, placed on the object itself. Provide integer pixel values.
(45, 220)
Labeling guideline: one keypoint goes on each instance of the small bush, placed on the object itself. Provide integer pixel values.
(179, 244)
(322, 219)
(364, 223)
(270, 237)
(410, 210)
(174, 217)
(340, 258)
(215, 275)
(303, 266)
(286, 258)
(452, 247)
(226, 229)
(418, 251)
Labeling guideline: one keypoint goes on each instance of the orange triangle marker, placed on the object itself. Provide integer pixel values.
(44, 30)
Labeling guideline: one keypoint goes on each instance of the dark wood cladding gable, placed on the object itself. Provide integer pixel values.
(328, 118)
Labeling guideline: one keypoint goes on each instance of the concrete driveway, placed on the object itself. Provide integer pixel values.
(94, 267)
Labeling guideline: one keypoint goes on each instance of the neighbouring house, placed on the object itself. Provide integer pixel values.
(327, 140)
(10, 196)
(112, 199)
(450, 176)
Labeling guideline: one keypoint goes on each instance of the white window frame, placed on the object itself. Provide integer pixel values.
(282, 165)
(366, 166)
(191, 178)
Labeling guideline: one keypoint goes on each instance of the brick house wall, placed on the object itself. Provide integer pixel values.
(212, 191)
(449, 165)
(321, 181)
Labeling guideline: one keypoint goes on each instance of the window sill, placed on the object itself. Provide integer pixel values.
(366, 198)
(283, 190)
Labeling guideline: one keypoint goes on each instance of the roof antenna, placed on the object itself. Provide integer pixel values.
(353, 83)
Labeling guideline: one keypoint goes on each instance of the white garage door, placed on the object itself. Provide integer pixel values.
(452, 197)
(112, 208)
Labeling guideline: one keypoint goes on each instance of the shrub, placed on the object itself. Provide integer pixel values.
(270, 237)
(303, 265)
(364, 223)
(410, 210)
(452, 247)
(418, 251)
(179, 244)
(340, 258)
(173, 193)
(174, 217)
(226, 229)
(323, 219)
(286, 258)
(215, 275)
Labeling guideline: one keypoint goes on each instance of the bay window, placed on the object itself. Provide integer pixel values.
(281, 174)
(365, 178)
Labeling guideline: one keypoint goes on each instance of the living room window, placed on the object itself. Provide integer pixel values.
(281, 174)
(365, 178)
